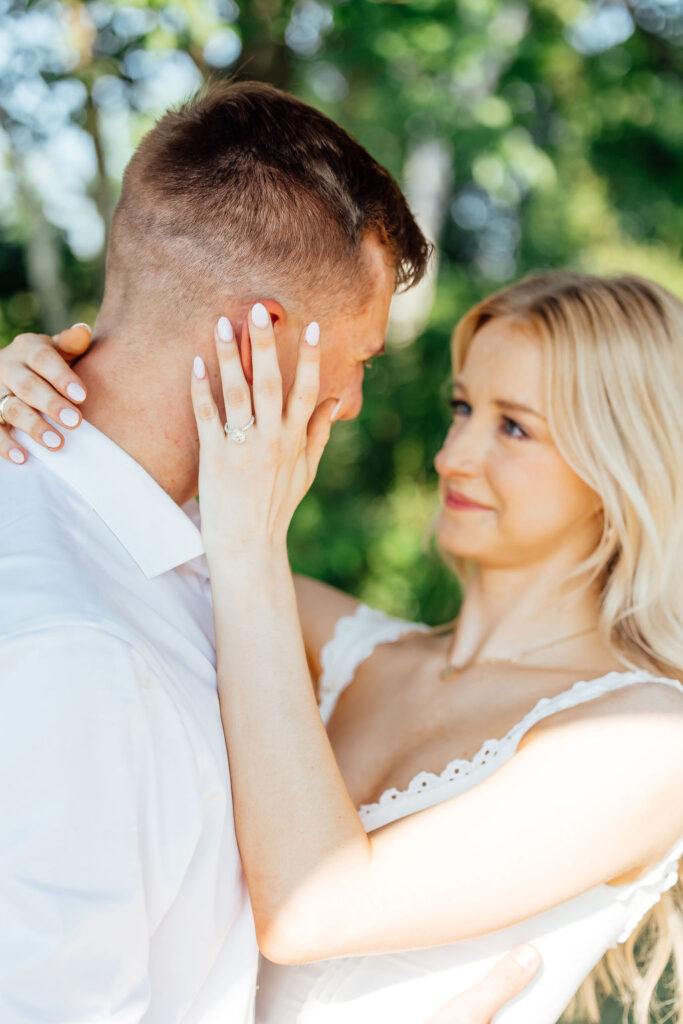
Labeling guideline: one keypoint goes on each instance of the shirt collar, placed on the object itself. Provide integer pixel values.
(157, 533)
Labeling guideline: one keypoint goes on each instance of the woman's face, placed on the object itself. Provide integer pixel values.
(509, 498)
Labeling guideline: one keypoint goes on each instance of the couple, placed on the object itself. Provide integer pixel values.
(392, 858)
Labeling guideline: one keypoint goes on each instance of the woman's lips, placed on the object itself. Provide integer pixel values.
(458, 501)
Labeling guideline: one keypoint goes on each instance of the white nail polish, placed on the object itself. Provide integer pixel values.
(526, 957)
(16, 455)
(69, 417)
(335, 411)
(51, 439)
(81, 324)
(75, 392)
(224, 328)
(198, 368)
(259, 315)
(312, 333)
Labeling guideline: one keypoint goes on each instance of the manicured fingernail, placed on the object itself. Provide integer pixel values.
(335, 411)
(75, 392)
(312, 333)
(51, 439)
(69, 417)
(259, 315)
(225, 331)
(198, 368)
(526, 956)
(81, 324)
(16, 455)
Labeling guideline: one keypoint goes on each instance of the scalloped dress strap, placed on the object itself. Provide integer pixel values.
(581, 693)
(355, 638)
(640, 896)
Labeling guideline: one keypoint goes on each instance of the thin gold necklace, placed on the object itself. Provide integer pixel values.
(452, 671)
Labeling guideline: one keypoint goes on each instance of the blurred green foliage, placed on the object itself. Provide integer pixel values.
(560, 127)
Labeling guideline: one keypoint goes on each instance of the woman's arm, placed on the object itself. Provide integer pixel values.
(537, 832)
(564, 815)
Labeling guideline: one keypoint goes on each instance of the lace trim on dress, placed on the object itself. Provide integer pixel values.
(645, 892)
(577, 694)
(355, 638)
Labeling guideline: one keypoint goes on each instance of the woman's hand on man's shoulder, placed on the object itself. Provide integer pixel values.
(36, 381)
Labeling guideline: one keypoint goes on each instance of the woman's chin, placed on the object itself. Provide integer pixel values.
(459, 540)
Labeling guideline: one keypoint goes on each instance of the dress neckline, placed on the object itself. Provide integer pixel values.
(425, 781)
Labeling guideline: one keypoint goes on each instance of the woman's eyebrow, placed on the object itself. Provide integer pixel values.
(504, 403)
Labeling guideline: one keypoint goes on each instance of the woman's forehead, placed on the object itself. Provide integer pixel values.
(504, 352)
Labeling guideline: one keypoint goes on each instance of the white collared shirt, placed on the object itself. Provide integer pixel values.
(121, 891)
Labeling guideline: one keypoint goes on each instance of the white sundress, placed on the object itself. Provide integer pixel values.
(407, 987)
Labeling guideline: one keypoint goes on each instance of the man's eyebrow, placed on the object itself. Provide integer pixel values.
(504, 403)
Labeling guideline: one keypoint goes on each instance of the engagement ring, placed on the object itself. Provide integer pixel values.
(238, 434)
(3, 401)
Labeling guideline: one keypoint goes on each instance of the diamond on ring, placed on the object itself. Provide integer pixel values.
(239, 434)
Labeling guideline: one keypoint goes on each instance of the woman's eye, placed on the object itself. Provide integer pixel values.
(512, 429)
(459, 407)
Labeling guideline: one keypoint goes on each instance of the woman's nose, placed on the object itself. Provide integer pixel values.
(462, 453)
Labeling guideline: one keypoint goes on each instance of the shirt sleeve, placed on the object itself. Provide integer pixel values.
(74, 932)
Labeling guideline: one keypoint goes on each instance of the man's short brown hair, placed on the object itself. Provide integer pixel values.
(247, 189)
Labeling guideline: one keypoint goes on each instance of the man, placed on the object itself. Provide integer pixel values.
(122, 896)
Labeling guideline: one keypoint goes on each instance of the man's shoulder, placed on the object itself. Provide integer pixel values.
(63, 645)
(51, 564)
(74, 681)
(20, 487)
(35, 506)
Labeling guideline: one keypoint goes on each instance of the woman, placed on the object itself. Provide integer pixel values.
(562, 485)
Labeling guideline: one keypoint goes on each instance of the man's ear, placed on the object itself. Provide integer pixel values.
(278, 316)
(277, 311)
(245, 353)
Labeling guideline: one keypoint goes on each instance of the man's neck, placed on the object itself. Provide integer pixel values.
(142, 403)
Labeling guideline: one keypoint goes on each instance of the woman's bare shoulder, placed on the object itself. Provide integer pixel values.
(636, 730)
(414, 650)
(320, 608)
(645, 701)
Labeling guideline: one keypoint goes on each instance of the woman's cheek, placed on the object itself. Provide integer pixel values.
(529, 491)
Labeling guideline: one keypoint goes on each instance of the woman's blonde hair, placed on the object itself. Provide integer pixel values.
(613, 353)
